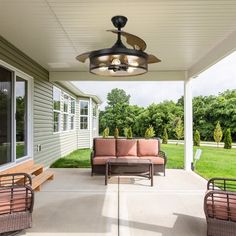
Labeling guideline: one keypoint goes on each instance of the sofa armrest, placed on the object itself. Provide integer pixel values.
(163, 155)
(224, 184)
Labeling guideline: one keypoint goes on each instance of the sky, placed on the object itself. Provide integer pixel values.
(216, 79)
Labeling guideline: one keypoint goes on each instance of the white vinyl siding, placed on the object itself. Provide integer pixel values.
(53, 145)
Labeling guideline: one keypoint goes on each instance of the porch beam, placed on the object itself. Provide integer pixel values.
(218, 52)
(188, 125)
(178, 75)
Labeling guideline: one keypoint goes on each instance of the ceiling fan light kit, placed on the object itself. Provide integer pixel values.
(120, 60)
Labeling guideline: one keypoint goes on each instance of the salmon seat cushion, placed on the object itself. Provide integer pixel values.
(148, 147)
(126, 147)
(105, 147)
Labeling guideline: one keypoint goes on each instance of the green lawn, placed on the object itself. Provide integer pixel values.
(214, 162)
(77, 159)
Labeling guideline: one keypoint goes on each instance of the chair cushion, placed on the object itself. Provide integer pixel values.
(105, 147)
(126, 147)
(101, 160)
(148, 147)
(154, 159)
(14, 200)
(218, 206)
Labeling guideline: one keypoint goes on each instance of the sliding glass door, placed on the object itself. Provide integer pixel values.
(14, 116)
(6, 83)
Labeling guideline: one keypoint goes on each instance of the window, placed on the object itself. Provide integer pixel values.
(72, 111)
(15, 115)
(57, 108)
(84, 114)
(64, 111)
(65, 122)
(94, 110)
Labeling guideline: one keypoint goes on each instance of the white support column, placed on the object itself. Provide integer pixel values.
(188, 125)
(91, 122)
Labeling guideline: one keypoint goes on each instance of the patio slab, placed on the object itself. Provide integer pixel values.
(75, 203)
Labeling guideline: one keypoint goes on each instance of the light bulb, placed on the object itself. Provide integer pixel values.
(116, 62)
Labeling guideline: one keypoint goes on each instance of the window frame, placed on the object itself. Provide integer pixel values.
(62, 112)
(83, 116)
(29, 111)
(57, 111)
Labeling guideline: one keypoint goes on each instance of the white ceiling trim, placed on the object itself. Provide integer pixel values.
(86, 76)
(221, 50)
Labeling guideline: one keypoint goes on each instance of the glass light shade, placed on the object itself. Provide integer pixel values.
(118, 64)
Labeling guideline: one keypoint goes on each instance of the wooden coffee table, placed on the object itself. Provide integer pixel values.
(125, 166)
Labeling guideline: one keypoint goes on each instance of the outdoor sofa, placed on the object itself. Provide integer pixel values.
(108, 148)
(220, 207)
(16, 202)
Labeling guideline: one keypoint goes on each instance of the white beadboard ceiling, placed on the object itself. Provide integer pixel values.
(54, 32)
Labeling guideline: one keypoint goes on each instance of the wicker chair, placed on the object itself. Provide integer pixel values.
(220, 207)
(16, 202)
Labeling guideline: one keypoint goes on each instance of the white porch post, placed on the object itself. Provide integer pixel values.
(90, 123)
(188, 125)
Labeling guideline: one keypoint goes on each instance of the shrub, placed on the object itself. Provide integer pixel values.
(165, 136)
(105, 133)
(196, 138)
(228, 139)
(218, 133)
(129, 133)
(116, 133)
(179, 129)
(149, 133)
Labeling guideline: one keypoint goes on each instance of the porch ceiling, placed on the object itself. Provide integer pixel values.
(187, 35)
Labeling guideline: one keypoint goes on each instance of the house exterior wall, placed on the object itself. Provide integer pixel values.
(53, 145)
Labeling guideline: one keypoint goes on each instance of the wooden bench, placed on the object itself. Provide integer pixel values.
(39, 176)
(38, 180)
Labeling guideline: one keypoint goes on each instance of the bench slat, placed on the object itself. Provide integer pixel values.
(41, 178)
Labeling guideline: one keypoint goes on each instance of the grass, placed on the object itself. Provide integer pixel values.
(214, 162)
(77, 159)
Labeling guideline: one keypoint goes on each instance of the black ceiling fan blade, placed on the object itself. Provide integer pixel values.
(133, 40)
(152, 59)
(83, 57)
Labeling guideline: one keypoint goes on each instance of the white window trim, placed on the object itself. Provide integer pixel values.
(30, 95)
(62, 112)
(88, 123)
(57, 111)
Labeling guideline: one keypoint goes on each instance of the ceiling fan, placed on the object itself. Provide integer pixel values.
(120, 60)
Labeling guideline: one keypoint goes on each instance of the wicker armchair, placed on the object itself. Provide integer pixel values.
(220, 207)
(16, 202)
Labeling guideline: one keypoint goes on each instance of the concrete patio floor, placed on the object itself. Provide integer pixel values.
(77, 204)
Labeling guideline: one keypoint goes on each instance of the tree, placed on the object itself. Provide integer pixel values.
(179, 129)
(116, 133)
(165, 136)
(105, 133)
(129, 133)
(228, 139)
(150, 133)
(218, 133)
(196, 138)
(117, 96)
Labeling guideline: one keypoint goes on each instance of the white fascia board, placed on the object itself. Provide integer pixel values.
(217, 53)
(171, 75)
(74, 89)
